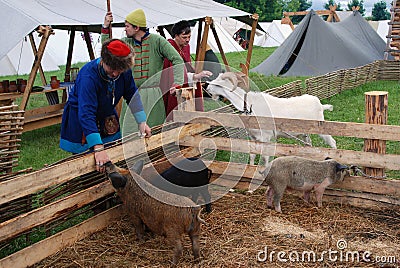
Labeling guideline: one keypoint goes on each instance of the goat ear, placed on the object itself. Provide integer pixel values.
(117, 180)
(231, 77)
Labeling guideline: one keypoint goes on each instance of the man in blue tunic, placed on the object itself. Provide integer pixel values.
(90, 119)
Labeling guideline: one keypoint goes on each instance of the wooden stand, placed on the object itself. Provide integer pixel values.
(376, 112)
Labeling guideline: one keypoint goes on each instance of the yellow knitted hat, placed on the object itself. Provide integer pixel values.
(137, 17)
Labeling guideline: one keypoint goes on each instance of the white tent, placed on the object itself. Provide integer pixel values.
(381, 27)
(275, 34)
(57, 46)
(228, 43)
(19, 60)
(19, 18)
(229, 24)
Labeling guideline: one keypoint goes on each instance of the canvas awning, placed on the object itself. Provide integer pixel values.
(19, 18)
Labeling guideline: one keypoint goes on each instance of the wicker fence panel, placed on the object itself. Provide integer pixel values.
(330, 84)
(388, 70)
(324, 86)
(11, 124)
(288, 90)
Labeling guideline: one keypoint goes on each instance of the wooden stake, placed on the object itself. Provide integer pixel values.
(108, 10)
(376, 107)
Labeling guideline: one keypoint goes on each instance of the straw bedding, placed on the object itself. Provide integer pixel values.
(241, 228)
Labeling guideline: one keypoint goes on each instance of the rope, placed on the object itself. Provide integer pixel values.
(357, 170)
(20, 55)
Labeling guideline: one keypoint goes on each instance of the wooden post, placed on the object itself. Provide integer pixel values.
(88, 42)
(245, 67)
(198, 41)
(67, 77)
(34, 49)
(108, 10)
(376, 107)
(45, 32)
(221, 50)
(202, 51)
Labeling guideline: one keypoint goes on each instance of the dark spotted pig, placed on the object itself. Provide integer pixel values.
(143, 203)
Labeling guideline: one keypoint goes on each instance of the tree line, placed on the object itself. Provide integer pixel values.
(269, 10)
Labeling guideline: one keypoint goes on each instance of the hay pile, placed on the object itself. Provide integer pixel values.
(240, 228)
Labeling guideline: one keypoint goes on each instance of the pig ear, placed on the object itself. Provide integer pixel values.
(138, 167)
(340, 167)
(117, 180)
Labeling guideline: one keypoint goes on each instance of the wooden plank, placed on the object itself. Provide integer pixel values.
(299, 13)
(354, 183)
(234, 169)
(44, 121)
(44, 248)
(24, 222)
(346, 129)
(364, 196)
(389, 161)
(42, 111)
(59, 173)
(356, 202)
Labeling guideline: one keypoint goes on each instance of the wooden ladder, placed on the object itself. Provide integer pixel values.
(393, 37)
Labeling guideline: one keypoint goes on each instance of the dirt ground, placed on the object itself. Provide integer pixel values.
(242, 232)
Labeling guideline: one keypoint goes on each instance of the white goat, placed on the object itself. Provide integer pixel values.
(264, 104)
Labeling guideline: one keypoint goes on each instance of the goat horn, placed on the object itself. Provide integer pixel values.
(231, 77)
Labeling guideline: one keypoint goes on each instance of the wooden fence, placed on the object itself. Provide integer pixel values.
(330, 84)
(38, 203)
(11, 123)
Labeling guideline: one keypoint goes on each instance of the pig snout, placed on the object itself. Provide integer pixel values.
(117, 180)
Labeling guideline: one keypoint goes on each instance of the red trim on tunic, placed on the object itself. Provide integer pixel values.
(105, 30)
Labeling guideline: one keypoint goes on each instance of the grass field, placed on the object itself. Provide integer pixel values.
(40, 147)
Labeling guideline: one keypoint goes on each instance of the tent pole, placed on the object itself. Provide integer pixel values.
(108, 10)
(67, 77)
(88, 42)
(202, 51)
(45, 32)
(220, 47)
(199, 29)
(34, 49)
(245, 67)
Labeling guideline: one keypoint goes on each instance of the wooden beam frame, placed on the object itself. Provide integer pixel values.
(45, 32)
(331, 13)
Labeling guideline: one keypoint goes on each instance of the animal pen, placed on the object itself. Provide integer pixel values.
(53, 210)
